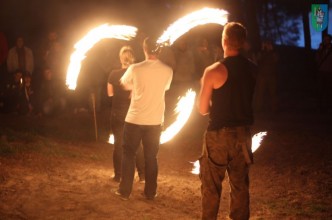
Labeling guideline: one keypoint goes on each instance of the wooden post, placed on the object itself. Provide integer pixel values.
(94, 114)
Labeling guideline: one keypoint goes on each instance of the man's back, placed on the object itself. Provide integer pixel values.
(150, 79)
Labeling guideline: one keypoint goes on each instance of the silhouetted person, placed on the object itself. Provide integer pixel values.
(20, 57)
(52, 98)
(12, 92)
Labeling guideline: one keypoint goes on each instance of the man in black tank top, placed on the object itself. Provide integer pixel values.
(226, 94)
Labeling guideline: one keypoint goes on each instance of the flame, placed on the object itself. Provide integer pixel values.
(195, 170)
(111, 139)
(183, 109)
(196, 18)
(255, 144)
(256, 140)
(121, 32)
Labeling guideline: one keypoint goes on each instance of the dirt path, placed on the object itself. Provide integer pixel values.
(51, 171)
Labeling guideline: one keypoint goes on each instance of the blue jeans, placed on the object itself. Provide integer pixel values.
(132, 136)
(117, 125)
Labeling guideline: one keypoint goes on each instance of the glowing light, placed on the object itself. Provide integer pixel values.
(183, 109)
(111, 139)
(121, 32)
(255, 144)
(196, 18)
(256, 140)
(195, 170)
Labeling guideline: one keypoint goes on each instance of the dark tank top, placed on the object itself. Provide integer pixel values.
(232, 102)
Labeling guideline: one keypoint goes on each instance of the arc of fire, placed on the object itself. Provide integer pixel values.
(123, 32)
(194, 19)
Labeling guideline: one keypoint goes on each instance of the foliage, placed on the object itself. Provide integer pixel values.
(279, 22)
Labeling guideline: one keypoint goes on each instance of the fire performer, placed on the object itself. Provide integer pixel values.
(226, 94)
(148, 81)
(120, 104)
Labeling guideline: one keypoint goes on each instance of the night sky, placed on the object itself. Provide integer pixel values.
(72, 18)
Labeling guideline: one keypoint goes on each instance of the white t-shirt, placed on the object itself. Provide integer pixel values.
(148, 80)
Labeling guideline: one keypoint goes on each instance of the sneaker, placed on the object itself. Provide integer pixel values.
(117, 193)
(150, 197)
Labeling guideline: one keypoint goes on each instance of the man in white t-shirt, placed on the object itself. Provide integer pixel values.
(148, 81)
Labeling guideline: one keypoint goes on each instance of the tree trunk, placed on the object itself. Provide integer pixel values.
(252, 24)
(306, 28)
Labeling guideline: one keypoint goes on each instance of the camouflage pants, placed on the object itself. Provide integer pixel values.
(227, 149)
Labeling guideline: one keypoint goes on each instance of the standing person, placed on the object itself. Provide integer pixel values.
(120, 105)
(20, 57)
(226, 94)
(148, 81)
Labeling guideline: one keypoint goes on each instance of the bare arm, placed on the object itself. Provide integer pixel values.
(126, 80)
(110, 91)
(214, 77)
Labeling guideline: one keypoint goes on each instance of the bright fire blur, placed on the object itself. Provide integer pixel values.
(256, 140)
(173, 32)
(255, 144)
(194, 19)
(183, 109)
(121, 32)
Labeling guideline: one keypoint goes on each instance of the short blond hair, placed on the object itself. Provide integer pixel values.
(235, 34)
(127, 56)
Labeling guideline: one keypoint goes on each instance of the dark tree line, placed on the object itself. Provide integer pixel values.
(278, 20)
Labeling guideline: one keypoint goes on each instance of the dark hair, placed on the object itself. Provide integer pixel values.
(150, 46)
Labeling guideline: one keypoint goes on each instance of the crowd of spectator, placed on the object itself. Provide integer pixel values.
(32, 82)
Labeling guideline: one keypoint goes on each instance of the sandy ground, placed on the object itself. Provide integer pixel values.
(52, 168)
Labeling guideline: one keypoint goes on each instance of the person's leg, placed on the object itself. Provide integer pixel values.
(131, 141)
(140, 163)
(212, 172)
(238, 172)
(150, 140)
(117, 128)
